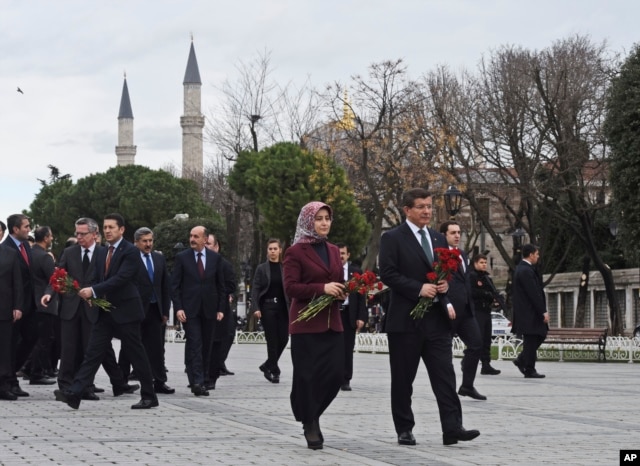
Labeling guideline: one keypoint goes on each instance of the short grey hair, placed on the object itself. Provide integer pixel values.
(142, 231)
(89, 222)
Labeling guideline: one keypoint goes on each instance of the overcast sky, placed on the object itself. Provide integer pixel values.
(69, 57)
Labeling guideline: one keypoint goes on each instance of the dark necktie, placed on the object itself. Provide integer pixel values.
(85, 262)
(426, 246)
(200, 265)
(150, 272)
(23, 251)
(108, 262)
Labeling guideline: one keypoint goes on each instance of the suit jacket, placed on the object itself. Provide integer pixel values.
(193, 294)
(160, 286)
(305, 275)
(261, 283)
(42, 268)
(357, 304)
(529, 303)
(118, 284)
(28, 299)
(460, 293)
(11, 288)
(71, 261)
(229, 325)
(403, 268)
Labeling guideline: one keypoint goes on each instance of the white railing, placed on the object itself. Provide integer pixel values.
(618, 348)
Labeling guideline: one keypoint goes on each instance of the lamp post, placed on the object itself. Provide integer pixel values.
(613, 228)
(518, 236)
(452, 201)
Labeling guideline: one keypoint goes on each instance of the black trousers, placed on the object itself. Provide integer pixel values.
(74, 341)
(100, 342)
(275, 322)
(466, 326)
(152, 334)
(529, 355)
(484, 323)
(318, 360)
(6, 366)
(197, 350)
(41, 355)
(432, 344)
(23, 339)
(349, 334)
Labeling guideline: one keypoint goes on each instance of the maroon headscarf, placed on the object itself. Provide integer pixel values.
(305, 229)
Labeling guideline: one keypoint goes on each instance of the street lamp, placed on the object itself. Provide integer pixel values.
(518, 236)
(613, 228)
(452, 201)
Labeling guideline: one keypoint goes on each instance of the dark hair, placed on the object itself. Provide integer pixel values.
(445, 226)
(529, 249)
(140, 232)
(117, 217)
(479, 256)
(71, 241)
(3, 227)
(41, 233)
(342, 245)
(89, 222)
(274, 240)
(409, 197)
(15, 221)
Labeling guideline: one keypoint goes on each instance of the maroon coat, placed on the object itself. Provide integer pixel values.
(305, 275)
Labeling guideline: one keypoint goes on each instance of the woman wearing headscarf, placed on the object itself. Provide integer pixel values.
(312, 267)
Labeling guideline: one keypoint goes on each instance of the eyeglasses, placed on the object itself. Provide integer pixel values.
(79, 233)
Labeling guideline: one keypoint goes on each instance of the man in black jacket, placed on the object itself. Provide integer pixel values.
(530, 316)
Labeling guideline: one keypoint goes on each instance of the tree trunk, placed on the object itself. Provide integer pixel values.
(583, 292)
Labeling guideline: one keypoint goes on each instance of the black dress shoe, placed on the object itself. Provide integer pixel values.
(275, 378)
(225, 371)
(534, 375)
(313, 435)
(98, 390)
(210, 385)
(267, 373)
(117, 391)
(406, 438)
(488, 370)
(519, 365)
(67, 396)
(472, 393)
(346, 387)
(164, 388)
(199, 390)
(42, 381)
(7, 395)
(17, 391)
(145, 404)
(90, 396)
(461, 434)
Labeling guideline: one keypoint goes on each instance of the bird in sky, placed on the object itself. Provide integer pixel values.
(20, 91)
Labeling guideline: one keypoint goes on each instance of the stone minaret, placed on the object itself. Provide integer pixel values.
(125, 150)
(192, 121)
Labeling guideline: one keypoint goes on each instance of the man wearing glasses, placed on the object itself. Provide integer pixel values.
(76, 317)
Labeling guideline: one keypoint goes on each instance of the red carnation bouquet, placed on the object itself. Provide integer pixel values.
(359, 283)
(63, 283)
(448, 261)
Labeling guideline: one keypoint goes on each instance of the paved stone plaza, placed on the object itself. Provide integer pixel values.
(581, 414)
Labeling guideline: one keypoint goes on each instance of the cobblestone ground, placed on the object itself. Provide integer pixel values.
(581, 414)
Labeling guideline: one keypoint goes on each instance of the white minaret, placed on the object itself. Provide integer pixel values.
(125, 150)
(192, 121)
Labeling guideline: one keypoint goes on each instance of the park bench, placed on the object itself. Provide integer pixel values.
(575, 337)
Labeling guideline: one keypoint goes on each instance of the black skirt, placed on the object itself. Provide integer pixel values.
(318, 366)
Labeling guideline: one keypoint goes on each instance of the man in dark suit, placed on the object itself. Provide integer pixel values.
(153, 284)
(42, 269)
(406, 256)
(354, 315)
(530, 316)
(115, 271)
(197, 291)
(465, 324)
(11, 301)
(77, 317)
(225, 331)
(25, 331)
